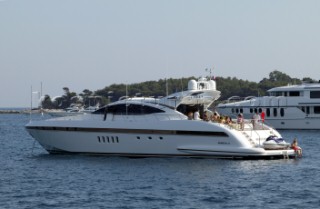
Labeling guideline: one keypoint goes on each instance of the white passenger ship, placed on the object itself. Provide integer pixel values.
(286, 107)
(156, 127)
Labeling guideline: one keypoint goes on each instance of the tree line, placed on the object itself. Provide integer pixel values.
(228, 87)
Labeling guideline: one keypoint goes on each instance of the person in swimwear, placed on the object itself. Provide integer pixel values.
(296, 148)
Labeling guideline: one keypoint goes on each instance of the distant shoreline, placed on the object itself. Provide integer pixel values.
(18, 110)
(10, 111)
(22, 111)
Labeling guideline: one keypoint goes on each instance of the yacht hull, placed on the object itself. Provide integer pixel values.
(295, 124)
(193, 139)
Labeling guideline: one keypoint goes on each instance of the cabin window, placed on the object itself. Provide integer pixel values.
(314, 94)
(281, 112)
(232, 110)
(275, 112)
(241, 110)
(237, 110)
(303, 109)
(294, 93)
(251, 110)
(260, 110)
(316, 109)
(308, 110)
(276, 93)
(130, 109)
(268, 112)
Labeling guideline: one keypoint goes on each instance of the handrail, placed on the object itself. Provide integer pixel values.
(260, 126)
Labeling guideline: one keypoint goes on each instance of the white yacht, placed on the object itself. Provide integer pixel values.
(286, 107)
(143, 127)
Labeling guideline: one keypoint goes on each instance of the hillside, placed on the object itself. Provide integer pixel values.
(228, 87)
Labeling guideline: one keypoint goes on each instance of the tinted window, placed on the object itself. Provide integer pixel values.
(316, 109)
(130, 109)
(268, 112)
(276, 93)
(314, 94)
(275, 112)
(133, 109)
(281, 112)
(294, 93)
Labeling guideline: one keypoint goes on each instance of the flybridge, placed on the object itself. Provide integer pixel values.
(201, 92)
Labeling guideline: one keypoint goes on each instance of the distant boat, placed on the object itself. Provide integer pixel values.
(71, 111)
(286, 107)
(144, 127)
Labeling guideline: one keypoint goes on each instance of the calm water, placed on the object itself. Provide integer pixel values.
(31, 178)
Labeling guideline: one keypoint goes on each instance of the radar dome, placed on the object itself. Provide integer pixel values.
(192, 85)
(213, 85)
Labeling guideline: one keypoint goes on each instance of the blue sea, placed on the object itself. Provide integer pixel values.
(32, 178)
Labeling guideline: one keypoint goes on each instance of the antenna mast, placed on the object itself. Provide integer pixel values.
(210, 71)
(167, 87)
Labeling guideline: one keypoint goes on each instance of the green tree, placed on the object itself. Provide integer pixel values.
(86, 94)
(308, 80)
(47, 103)
(67, 98)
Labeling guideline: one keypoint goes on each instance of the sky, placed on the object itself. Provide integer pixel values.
(90, 44)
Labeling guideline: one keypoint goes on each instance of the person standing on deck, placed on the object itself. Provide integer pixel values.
(240, 121)
(262, 115)
(255, 120)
